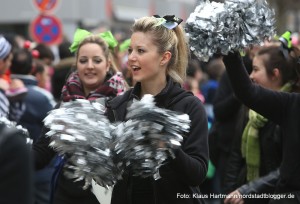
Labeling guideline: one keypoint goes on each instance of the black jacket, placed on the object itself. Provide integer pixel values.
(270, 155)
(16, 168)
(183, 175)
(226, 111)
(280, 107)
(67, 191)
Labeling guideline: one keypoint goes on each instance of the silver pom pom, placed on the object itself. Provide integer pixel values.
(150, 137)
(221, 28)
(12, 124)
(79, 130)
(96, 149)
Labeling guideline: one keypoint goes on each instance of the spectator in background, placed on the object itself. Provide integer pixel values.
(40, 72)
(193, 79)
(122, 60)
(46, 55)
(214, 68)
(16, 167)
(5, 62)
(16, 42)
(62, 69)
(123, 53)
(11, 91)
(38, 103)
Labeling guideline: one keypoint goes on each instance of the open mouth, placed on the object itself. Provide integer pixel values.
(134, 68)
(89, 74)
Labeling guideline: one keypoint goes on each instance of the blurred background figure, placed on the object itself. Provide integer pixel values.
(12, 92)
(46, 54)
(38, 103)
(62, 69)
(41, 73)
(194, 76)
(16, 172)
(214, 69)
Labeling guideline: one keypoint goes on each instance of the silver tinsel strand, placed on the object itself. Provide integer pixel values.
(224, 27)
(12, 124)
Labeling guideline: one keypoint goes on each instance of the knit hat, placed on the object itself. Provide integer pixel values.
(5, 48)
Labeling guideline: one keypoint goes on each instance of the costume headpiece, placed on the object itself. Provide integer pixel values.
(168, 21)
(286, 43)
(81, 34)
(124, 45)
(5, 47)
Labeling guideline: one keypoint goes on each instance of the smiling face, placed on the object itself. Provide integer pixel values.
(92, 66)
(144, 61)
(260, 76)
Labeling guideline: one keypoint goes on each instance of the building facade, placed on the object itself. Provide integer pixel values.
(116, 15)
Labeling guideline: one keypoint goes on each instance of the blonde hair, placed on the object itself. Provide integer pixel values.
(104, 46)
(166, 39)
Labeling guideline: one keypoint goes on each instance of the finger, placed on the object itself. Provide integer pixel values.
(241, 201)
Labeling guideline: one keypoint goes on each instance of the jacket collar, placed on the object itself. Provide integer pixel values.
(161, 99)
(27, 79)
(170, 94)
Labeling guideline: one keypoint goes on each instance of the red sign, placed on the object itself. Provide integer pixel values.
(45, 5)
(46, 29)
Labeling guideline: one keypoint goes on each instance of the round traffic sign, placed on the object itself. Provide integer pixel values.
(46, 29)
(45, 5)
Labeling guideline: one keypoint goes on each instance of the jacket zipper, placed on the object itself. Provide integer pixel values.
(115, 115)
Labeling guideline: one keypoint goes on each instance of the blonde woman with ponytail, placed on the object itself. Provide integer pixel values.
(157, 57)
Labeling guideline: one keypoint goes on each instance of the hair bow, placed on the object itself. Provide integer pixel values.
(168, 21)
(81, 34)
(124, 45)
(286, 43)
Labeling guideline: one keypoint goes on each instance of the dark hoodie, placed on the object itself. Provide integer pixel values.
(61, 72)
(182, 176)
(279, 107)
(16, 172)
